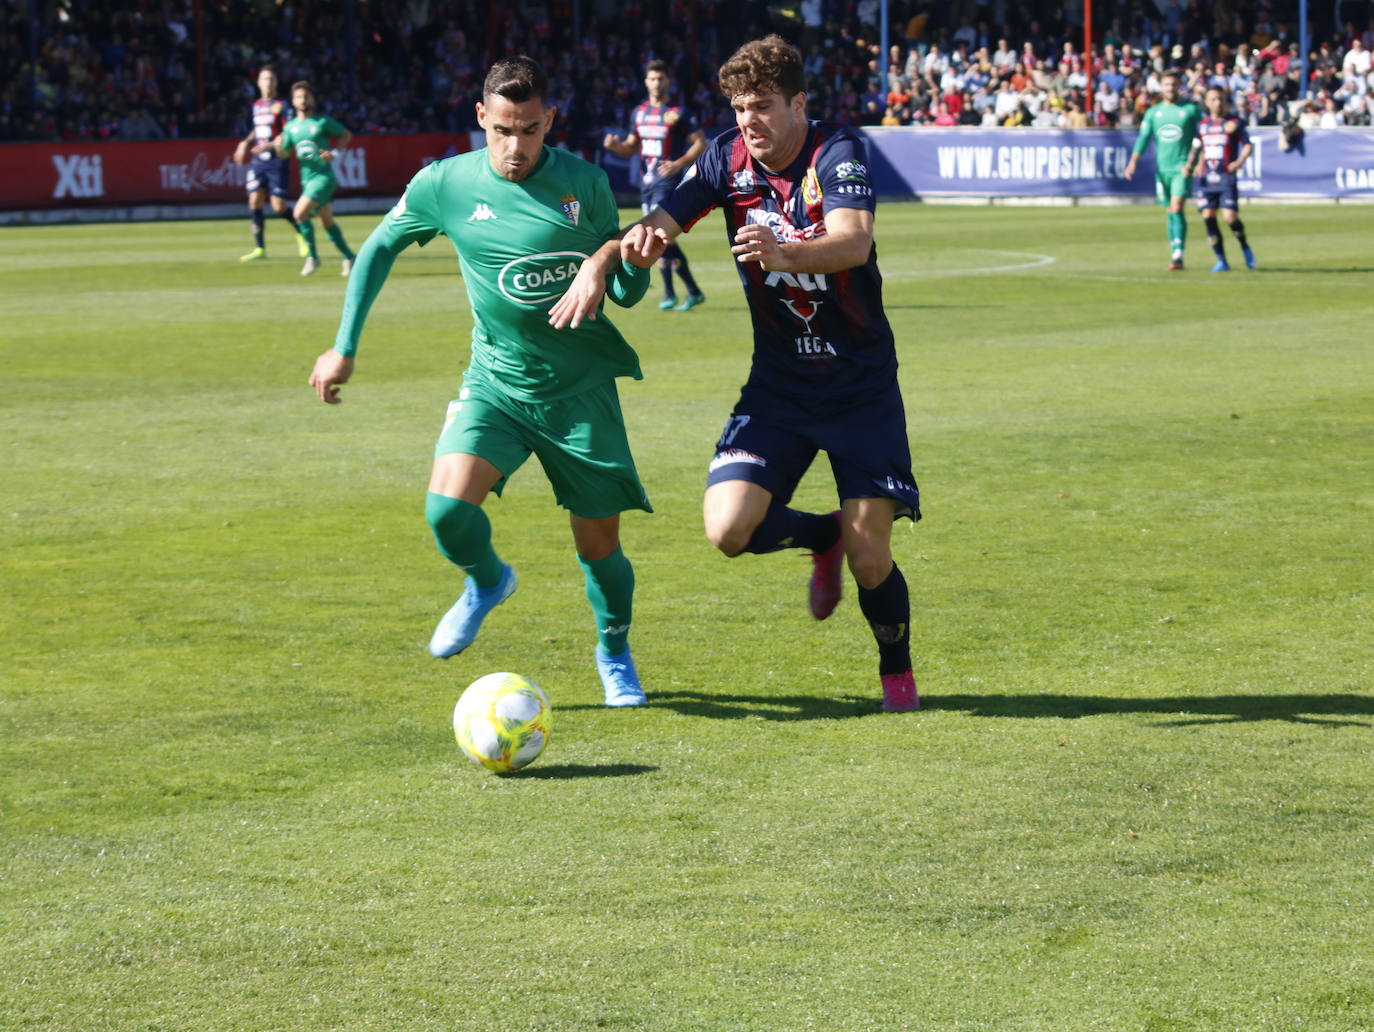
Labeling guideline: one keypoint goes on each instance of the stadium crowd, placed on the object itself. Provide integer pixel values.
(148, 69)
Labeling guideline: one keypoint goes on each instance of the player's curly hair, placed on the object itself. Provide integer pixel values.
(762, 66)
(517, 78)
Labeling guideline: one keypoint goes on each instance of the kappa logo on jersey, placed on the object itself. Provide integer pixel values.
(539, 278)
(482, 213)
(78, 175)
(811, 187)
(572, 208)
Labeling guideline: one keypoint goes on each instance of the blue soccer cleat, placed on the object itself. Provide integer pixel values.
(1249, 257)
(668, 302)
(692, 301)
(620, 679)
(1221, 266)
(460, 624)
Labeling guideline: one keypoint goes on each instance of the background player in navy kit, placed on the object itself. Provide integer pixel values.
(798, 208)
(668, 140)
(1219, 152)
(268, 175)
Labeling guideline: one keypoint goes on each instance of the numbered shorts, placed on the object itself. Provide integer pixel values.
(318, 188)
(270, 174)
(1169, 185)
(771, 442)
(580, 442)
(1218, 195)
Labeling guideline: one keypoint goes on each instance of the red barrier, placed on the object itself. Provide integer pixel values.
(63, 175)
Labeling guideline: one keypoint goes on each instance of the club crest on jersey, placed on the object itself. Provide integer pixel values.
(671, 116)
(572, 208)
(743, 181)
(1229, 126)
(811, 187)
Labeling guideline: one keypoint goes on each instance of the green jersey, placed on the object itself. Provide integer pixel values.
(306, 137)
(1173, 127)
(519, 246)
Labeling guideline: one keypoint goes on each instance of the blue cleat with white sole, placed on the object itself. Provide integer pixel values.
(620, 679)
(1249, 257)
(1221, 266)
(668, 303)
(692, 301)
(460, 624)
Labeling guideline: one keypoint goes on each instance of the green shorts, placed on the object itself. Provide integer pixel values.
(580, 442)
(319, 189)
(1172, 184)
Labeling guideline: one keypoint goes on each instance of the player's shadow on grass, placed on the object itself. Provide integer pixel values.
(1184, 710)
(1317, 270)
(729, 706)
(568, 771)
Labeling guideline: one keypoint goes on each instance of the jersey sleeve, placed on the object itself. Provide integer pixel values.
(843, 175)
(333, 129)
(1147, 128)
(415, 218)
(701, 190)
(288, 140)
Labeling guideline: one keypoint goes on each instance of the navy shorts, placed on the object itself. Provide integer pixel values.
(1224, 193)
(270, 174)
(650, 197)
(771, 442)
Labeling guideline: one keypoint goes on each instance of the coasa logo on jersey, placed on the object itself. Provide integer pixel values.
(78, 175)
(1169, 133)
(539, 278)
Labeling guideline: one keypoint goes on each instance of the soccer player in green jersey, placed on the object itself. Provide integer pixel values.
(523, 218)
(1172, 124)
(315, 140)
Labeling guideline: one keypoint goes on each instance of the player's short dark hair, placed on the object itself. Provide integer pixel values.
(658, 66)
(762, 66)
(303, 84)
(268, 68)
(517, 78)
(1172, 73)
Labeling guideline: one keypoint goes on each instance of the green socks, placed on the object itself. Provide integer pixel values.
(337, 238)
(463, 534)
(610, 590)
(307, 229)
(1178, 231)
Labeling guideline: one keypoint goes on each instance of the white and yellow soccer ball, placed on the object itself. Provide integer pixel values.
(503, 721)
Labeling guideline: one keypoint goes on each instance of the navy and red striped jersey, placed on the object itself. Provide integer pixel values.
(820, 339)
(268, 118)
(1222, 141)
(663, 131)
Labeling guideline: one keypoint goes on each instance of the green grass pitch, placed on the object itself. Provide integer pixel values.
(1140, 796)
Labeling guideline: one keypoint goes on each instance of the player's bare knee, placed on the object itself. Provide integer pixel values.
(728, 536)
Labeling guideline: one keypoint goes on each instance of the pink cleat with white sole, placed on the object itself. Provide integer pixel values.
(899, 693)
(826, 586)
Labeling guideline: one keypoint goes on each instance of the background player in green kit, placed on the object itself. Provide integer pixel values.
(1172, 124)
(522, 217)
(314, 139)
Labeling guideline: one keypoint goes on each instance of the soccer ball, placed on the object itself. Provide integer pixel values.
(502, 722)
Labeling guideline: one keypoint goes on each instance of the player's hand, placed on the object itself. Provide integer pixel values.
(582, 298)
(241, 153)
(666, 169)
(326, 155)
(611, 142)
(642, 246)
(331, 371)
(1129, 170)
(758, 244)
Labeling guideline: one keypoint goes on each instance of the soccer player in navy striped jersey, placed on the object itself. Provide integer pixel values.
(1220, 149)
(798, 207)
(269, 176)
(668, 139)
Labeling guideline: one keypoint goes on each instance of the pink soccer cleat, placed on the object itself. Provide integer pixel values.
(826, 587)
(899, 693)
